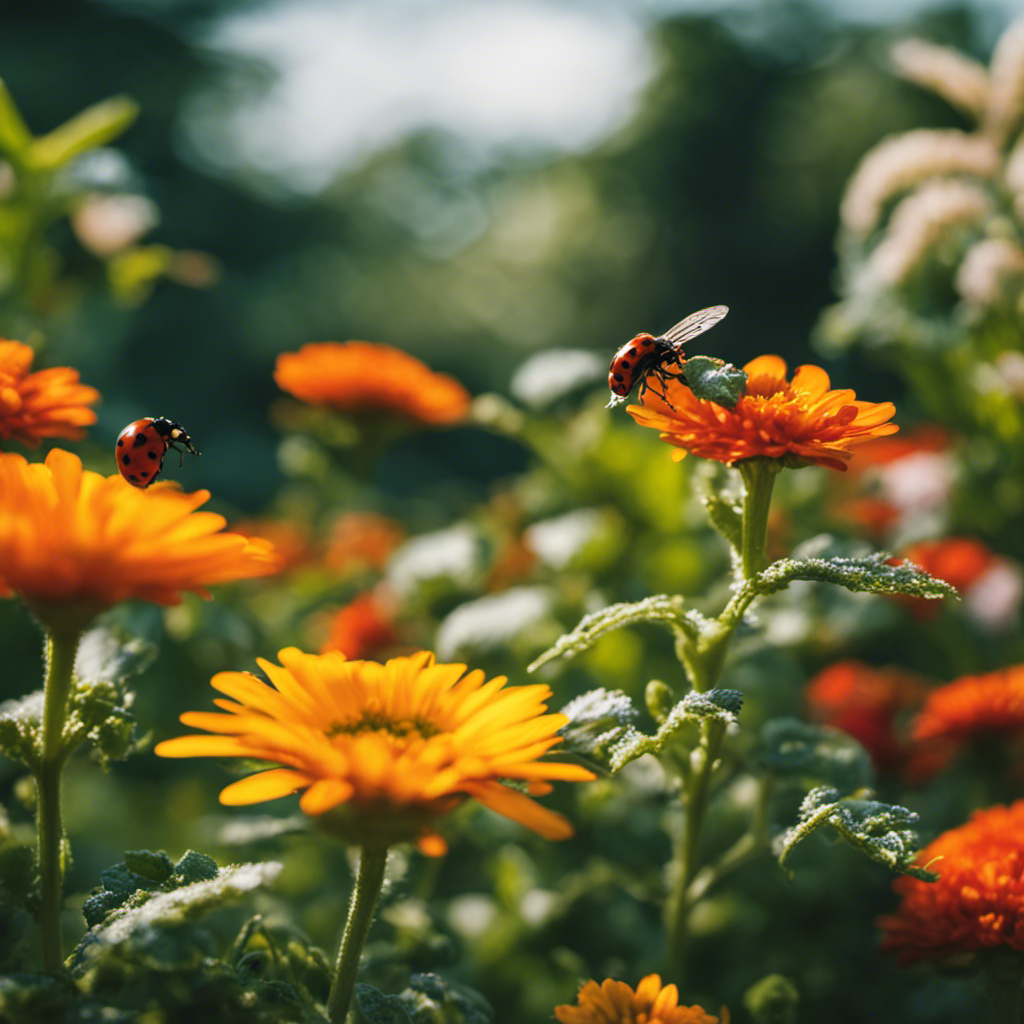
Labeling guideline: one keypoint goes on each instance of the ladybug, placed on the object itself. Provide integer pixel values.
(142, 445)
(646, 356)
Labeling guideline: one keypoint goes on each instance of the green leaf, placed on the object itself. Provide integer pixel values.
(430, 997)
(373, 1007)
(146, 910)
(798, 750)
(596, 719)
(881, 831)
(93, 127)
(155, 867)
(99, 714)
(660, 608)
(772, 1000)
(109, 654)
(868, 574)
(20, 728)
(721, 705)
(715, 380)
(14, 134)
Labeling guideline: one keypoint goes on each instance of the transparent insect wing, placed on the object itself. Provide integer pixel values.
(696, 323)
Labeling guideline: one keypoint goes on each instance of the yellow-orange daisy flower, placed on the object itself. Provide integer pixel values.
(358, 376)
(614, 1002)
(978, 901)
(47, 403)
(382, 749)
(73, 538)
(364, 626)
(801, 421)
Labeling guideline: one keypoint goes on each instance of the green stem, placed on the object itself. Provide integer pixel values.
(698, 787)
(60, 664)
(1004, 970)
(759, 479)
(372, 860)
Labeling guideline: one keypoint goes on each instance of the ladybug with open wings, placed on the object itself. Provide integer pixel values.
(647, 356)
(142, 445)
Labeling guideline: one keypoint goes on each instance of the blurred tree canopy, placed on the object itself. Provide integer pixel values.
(723, 188)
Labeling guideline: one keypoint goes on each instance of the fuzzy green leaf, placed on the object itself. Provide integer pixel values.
(182, 904)
(715, 380)
(801, 751)
(721, 705)
(20, 726)
(881, 831)
(373, 1007)
(660, 608)
(596, 719)
(869, 574)
(109, 654)
(93, 127)
(430, 997)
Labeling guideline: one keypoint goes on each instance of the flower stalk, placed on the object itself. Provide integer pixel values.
(1004, 972)
(704, 666)
(370, 879)
(60, 663)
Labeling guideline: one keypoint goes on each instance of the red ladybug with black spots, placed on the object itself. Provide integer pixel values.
(142, 445)
(647, 356)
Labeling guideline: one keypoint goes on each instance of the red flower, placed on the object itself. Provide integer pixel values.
(978, 901)
(364, 627)
(864, 702)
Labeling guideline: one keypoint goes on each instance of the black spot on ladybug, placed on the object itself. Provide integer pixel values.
(618, 376)
(133, 478)
(632, 351)
(126, 459)
(120, 443)
(624, 364)
(140, 440)
(143, 473)
(152, 455)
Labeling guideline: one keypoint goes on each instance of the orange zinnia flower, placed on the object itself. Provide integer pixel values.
(47, 403)
(969, 566)
(864, 701)
(801, 421)
(972, 707)
(73, 539)
(357, 376)
(363, 626)
(614, 1002)
(382, 750)
(978, 901)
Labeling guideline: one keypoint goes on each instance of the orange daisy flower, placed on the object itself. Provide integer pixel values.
(358, 376)
(864, 702)
(978, 901)
(382, 750)
(73, 539)
(47, 403)
(362, 540)
(363, 626)
(800, 421)
(614, 1002)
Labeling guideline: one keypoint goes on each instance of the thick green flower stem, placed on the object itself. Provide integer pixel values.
(759, 479)
(60, 664)
(697, 788)
(1004, 971)
(372, 860)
